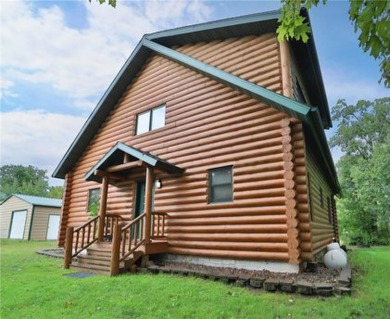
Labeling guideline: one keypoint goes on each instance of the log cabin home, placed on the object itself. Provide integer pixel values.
(208, 147)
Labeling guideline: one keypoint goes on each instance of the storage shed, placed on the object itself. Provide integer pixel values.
(30, 217)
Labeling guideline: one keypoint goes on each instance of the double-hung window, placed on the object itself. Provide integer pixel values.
(221, 185)
(150, 120)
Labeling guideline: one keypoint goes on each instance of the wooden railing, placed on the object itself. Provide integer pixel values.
(126, 240)
(83, 237)
(159, 225)
(110, 221)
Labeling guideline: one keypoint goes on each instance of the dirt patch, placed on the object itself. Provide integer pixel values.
(321, 274)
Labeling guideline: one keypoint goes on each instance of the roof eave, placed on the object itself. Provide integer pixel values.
(209, 27)
(102, 109)
(317, 85)
(148, 159)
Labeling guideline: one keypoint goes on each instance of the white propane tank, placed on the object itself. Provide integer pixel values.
(332, 246)
(335, 258)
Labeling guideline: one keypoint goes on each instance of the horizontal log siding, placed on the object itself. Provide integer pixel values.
(253, 58)
(68, 188)
(301, 192)
(208, 125)
(321, 230)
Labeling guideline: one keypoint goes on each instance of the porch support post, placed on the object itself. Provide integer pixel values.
(148, 203)
(103, 207)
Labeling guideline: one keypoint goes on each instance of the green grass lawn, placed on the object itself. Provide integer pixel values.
(34, 286)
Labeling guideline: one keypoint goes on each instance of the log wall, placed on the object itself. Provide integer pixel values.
(321, 208)
(65, 212)
(301, 189)
(317, 224)
(208, 125)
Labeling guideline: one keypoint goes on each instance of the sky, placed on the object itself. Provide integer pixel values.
(58, 58)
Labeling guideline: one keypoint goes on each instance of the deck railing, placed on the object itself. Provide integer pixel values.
(125, 240)
(110, 221)
(159, 225)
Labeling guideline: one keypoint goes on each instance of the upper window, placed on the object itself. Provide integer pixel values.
(221, 185)
(93, 201)
(150, 120)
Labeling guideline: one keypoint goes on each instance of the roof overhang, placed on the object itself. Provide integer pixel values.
(113, 160)
(313, 118)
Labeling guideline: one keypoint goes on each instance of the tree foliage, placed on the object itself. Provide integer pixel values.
(112, 3)
(28, 180)
(363, 134)
(370, 19)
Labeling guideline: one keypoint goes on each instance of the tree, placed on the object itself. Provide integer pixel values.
(370, 19)
(363, 134)
(112, 3)
(55, 191)
(28, 180)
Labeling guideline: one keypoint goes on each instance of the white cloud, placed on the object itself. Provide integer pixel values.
(6, 88)
(39, 47)
(37, 138)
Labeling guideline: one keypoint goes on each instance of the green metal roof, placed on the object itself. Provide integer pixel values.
(254, 24)
(115, 157)
(37, 200)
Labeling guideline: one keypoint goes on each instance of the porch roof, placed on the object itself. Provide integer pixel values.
(115, 157)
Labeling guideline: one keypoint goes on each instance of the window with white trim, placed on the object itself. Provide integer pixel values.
(150, 120)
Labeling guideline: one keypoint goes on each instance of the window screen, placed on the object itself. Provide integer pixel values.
(221, 185)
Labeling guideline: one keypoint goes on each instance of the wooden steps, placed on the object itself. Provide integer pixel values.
(97, 259)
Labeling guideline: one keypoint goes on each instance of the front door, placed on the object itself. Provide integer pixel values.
(139, 203)
(139, 199)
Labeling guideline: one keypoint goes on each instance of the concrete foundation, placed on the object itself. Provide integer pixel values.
(232, 263)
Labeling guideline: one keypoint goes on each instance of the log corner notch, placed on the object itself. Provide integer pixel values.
(290, 193)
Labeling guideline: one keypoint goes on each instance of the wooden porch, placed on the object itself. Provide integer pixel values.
(110, 243)
(123, 244)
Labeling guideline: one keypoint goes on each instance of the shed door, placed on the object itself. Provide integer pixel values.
(18, 223)
(52, 228)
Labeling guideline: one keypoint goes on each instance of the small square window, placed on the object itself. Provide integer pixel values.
(221, 185)
(150, 120)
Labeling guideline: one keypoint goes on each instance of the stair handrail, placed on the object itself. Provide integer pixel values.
(85, 235)
(126, 240)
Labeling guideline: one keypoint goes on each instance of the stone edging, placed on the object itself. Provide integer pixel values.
(53, 252)
(342, 286)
